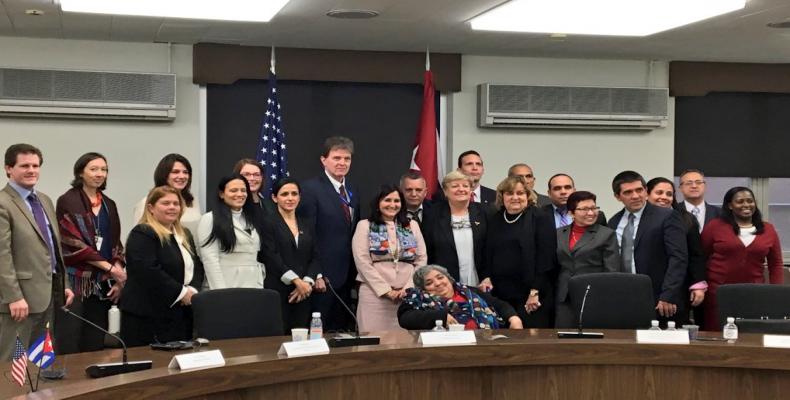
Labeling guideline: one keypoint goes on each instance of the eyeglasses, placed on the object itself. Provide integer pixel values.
(252, 175)
(690, 183)
(527, 176)
(585, 210)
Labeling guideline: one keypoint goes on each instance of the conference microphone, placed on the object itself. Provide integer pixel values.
(109, 369)
(352, 340)
(580, 334)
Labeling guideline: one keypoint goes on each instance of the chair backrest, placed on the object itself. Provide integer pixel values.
(237, 313)
(616, 300)
(771, 326)
(753, 301)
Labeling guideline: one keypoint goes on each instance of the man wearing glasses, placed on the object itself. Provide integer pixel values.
(692, 185)
(525, 171)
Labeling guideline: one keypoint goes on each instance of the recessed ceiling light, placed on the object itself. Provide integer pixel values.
(352, 14)
(779, 25)
(600, 17)
(225, 10)
(34, 12)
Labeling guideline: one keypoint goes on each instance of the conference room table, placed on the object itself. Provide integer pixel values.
(528, 364)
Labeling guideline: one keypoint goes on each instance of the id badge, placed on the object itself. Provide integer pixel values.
(99, 241)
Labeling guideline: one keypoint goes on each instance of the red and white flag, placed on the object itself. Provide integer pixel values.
(426, 143)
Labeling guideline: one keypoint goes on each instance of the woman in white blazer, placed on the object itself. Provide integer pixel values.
(229, 238)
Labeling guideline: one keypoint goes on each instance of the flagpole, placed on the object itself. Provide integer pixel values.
(30, 380)
(272, 61)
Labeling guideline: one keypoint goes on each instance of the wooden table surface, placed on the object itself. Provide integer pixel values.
(527, 363)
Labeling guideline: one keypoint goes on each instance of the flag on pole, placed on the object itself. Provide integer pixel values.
(272, 154)
(41, 352)
(19, 364)
(425, 153)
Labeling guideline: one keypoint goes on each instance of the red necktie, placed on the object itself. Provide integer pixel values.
(344, 203)
(473, 197)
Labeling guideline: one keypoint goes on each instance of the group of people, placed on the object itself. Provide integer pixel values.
(472, 255)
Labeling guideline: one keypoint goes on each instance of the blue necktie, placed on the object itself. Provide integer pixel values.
(41, 221)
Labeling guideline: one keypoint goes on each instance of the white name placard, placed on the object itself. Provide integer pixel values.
(304, 348)
(779, 341)
(202, 359)
(662, 337)
(454, 338)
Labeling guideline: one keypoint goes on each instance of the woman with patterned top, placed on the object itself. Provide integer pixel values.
(436, 296)
(386, 247)
(90, 230)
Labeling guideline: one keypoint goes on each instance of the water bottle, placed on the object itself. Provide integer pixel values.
(671, 326)
(730, 331)
(114, 319)
(439, 326)
(316, 328)
(654, 326)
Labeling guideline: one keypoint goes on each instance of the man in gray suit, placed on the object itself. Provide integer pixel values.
(31, 267)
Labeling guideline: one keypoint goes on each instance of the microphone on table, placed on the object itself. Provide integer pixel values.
(109, 369)
(580, 334)
(355, 339)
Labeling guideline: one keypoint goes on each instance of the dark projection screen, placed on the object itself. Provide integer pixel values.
(381, 119)
(733, 134)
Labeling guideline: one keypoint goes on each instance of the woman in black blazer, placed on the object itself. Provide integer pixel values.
(455, 232)
(163, 273)
(520, 253)
(290, 256)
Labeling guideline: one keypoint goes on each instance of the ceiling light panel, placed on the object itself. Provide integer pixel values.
(225, 10)
(600, 17)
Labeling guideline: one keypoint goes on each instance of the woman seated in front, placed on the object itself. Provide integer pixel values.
(436, 296)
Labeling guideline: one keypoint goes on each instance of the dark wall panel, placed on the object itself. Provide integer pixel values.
(733, 134)
(381, 119)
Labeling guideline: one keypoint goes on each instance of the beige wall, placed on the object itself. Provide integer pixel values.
(591, 157)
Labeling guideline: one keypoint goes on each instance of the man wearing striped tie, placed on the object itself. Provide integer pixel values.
(692, 185)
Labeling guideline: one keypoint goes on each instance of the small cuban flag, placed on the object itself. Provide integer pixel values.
(41, 352)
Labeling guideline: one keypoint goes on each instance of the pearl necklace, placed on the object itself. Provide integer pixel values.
(504, 215)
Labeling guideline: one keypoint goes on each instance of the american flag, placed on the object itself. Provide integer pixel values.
(19, 364)
(272, 153)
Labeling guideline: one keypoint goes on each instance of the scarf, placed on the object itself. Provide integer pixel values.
(378, 238)
(475, 308)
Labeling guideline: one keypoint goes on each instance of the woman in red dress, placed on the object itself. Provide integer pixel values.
(737, 244)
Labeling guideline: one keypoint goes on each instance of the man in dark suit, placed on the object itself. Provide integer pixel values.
(652, 242)
(561, 186)
(525, 171)
(471, 164)
(332, 204)
(692, 185)
(414, 189)
(31, 263)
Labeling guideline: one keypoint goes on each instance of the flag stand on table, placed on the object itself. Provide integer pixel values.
(19, 371)
(426, 143)
(42, 355)
(272, 154)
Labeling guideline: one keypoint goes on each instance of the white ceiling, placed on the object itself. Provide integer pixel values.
(411, 25)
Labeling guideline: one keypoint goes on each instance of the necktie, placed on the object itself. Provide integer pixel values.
(414, 215)
(344, 203)
(473, 197)
(41, 221)
(563, 213)
(627, 245)
(697, 214)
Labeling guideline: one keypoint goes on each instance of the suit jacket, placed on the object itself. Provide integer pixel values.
(440, 242)
(660, 251)
(488, 197)
(595, 251)
(321, 205)
(155, 274)
(711, 212)
(549, 209)
(239, 268)
(543, 200)
(25, 268)
(281, 253)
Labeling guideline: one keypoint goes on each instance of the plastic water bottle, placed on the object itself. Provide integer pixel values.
(654, 326)
(730, 330)
(114, 319)
(439, 326)
(316, 328)
(671, 326)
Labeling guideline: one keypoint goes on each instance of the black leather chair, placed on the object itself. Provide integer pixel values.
(758, 308)
(616, 300)
(237, 313)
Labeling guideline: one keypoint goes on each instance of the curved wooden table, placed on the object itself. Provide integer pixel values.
(530, 364)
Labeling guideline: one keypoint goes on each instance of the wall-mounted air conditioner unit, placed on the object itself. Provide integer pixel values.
(566, 107)
(87, 94)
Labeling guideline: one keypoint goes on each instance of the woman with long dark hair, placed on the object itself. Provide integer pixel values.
(175, 170)
(229, 238)
(291, 255)
(90, 231)
(386, 247)
(661, 193)
(738, 243)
